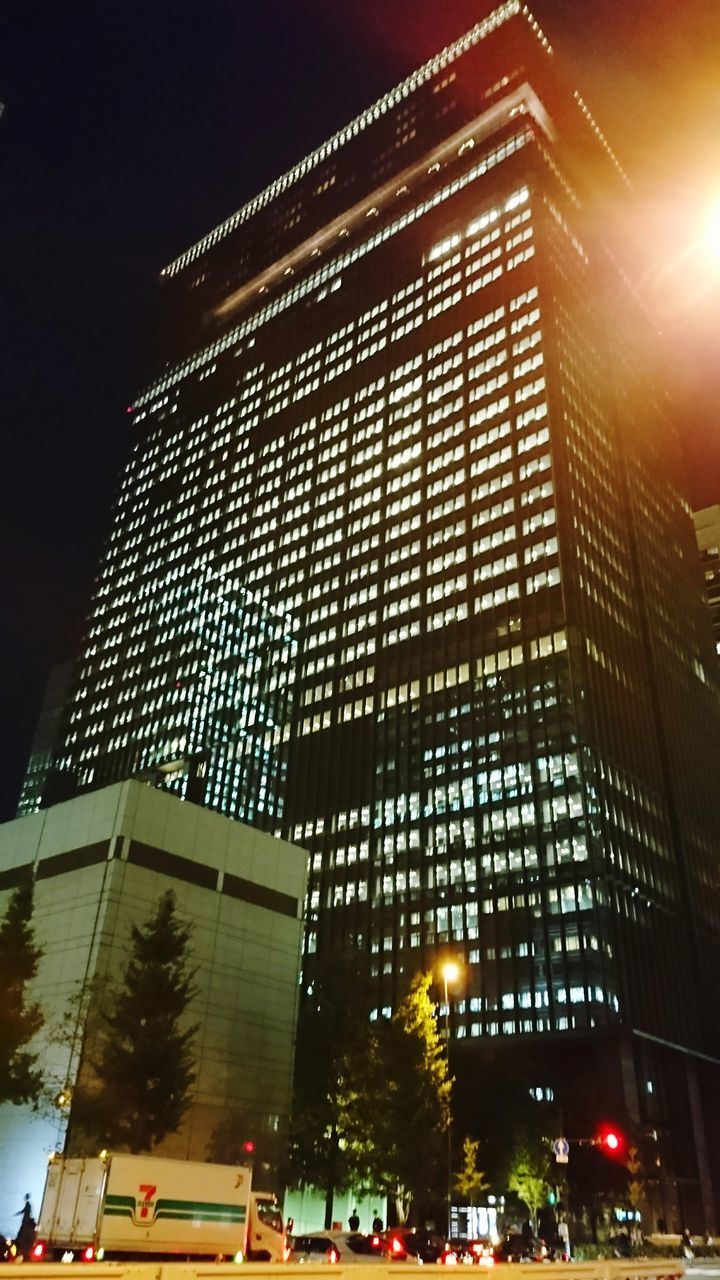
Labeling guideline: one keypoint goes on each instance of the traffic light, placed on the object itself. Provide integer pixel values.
(248, 1148)
(611, 1140)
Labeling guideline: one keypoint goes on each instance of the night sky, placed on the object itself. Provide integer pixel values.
(130, 130)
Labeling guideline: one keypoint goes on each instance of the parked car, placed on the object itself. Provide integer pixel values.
(405, 1245)
(478, 1253)
(518, 1247)
(341, 1247)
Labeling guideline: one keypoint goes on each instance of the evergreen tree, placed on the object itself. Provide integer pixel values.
(141, 1056)
(20, 1019)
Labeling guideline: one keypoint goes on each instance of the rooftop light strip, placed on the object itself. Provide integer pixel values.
(600, 136)
(334, 268)
(441, 60)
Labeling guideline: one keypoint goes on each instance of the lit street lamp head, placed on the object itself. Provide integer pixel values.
(450, 971)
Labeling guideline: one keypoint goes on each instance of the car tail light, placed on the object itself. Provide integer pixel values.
(477, 1249)
(449, 1257)
(375, 1242)
(333, 1255)
(398, 1247)
(37, 1253)
(88, 1254)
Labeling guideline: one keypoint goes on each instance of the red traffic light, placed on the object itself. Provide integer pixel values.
(611, 1141)
(248, 1148)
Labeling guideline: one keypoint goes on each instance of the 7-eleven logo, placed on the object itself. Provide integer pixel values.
(144, 1207)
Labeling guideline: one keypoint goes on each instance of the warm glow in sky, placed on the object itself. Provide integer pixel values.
(711, 236)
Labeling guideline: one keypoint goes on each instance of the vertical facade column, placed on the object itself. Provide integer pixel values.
(701, 1150)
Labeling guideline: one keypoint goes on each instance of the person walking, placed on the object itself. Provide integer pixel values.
(25, 1237)
(354, 1221)
(563, 1232)
(377, 1222)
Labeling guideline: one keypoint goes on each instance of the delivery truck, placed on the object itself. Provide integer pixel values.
(124, 1206)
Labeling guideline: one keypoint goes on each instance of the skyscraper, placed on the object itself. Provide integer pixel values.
(707, 530)
(399, 570)
(45, 740)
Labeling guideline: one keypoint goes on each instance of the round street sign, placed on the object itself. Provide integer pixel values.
(561, 1150)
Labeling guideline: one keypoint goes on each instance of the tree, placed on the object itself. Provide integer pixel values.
(471, 1181)
(240, 1138)
(528, 1178)
(329, 1132)
(141, 1060)
(20, 1018)
(412, 1086)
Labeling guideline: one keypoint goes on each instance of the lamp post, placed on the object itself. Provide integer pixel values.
(450, 973)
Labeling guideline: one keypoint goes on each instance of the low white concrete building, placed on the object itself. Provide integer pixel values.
(101, 862)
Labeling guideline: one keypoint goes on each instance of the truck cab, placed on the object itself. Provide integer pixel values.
(266, 1240)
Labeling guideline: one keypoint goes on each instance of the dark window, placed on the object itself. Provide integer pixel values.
(312, 1244)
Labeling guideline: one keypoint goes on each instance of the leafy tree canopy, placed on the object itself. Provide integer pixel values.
(329, 1133)
(471, 1181)
(528, 1177)
(372, 1098)
(412, 1109)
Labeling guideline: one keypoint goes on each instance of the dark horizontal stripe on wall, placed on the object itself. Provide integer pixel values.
(168, 864)
(172, 864)
(73, 860)
(260, 896)
(179, 868)
(11, 878)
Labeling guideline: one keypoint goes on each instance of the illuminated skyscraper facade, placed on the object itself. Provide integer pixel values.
(707, 530)
(45, 740)
(407, 419)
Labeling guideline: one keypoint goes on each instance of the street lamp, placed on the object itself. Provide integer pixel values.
(450, 973)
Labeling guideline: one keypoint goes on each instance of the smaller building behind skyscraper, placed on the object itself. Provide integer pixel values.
(101, 864)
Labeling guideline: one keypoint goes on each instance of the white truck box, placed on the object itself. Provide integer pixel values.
(149, 1206)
